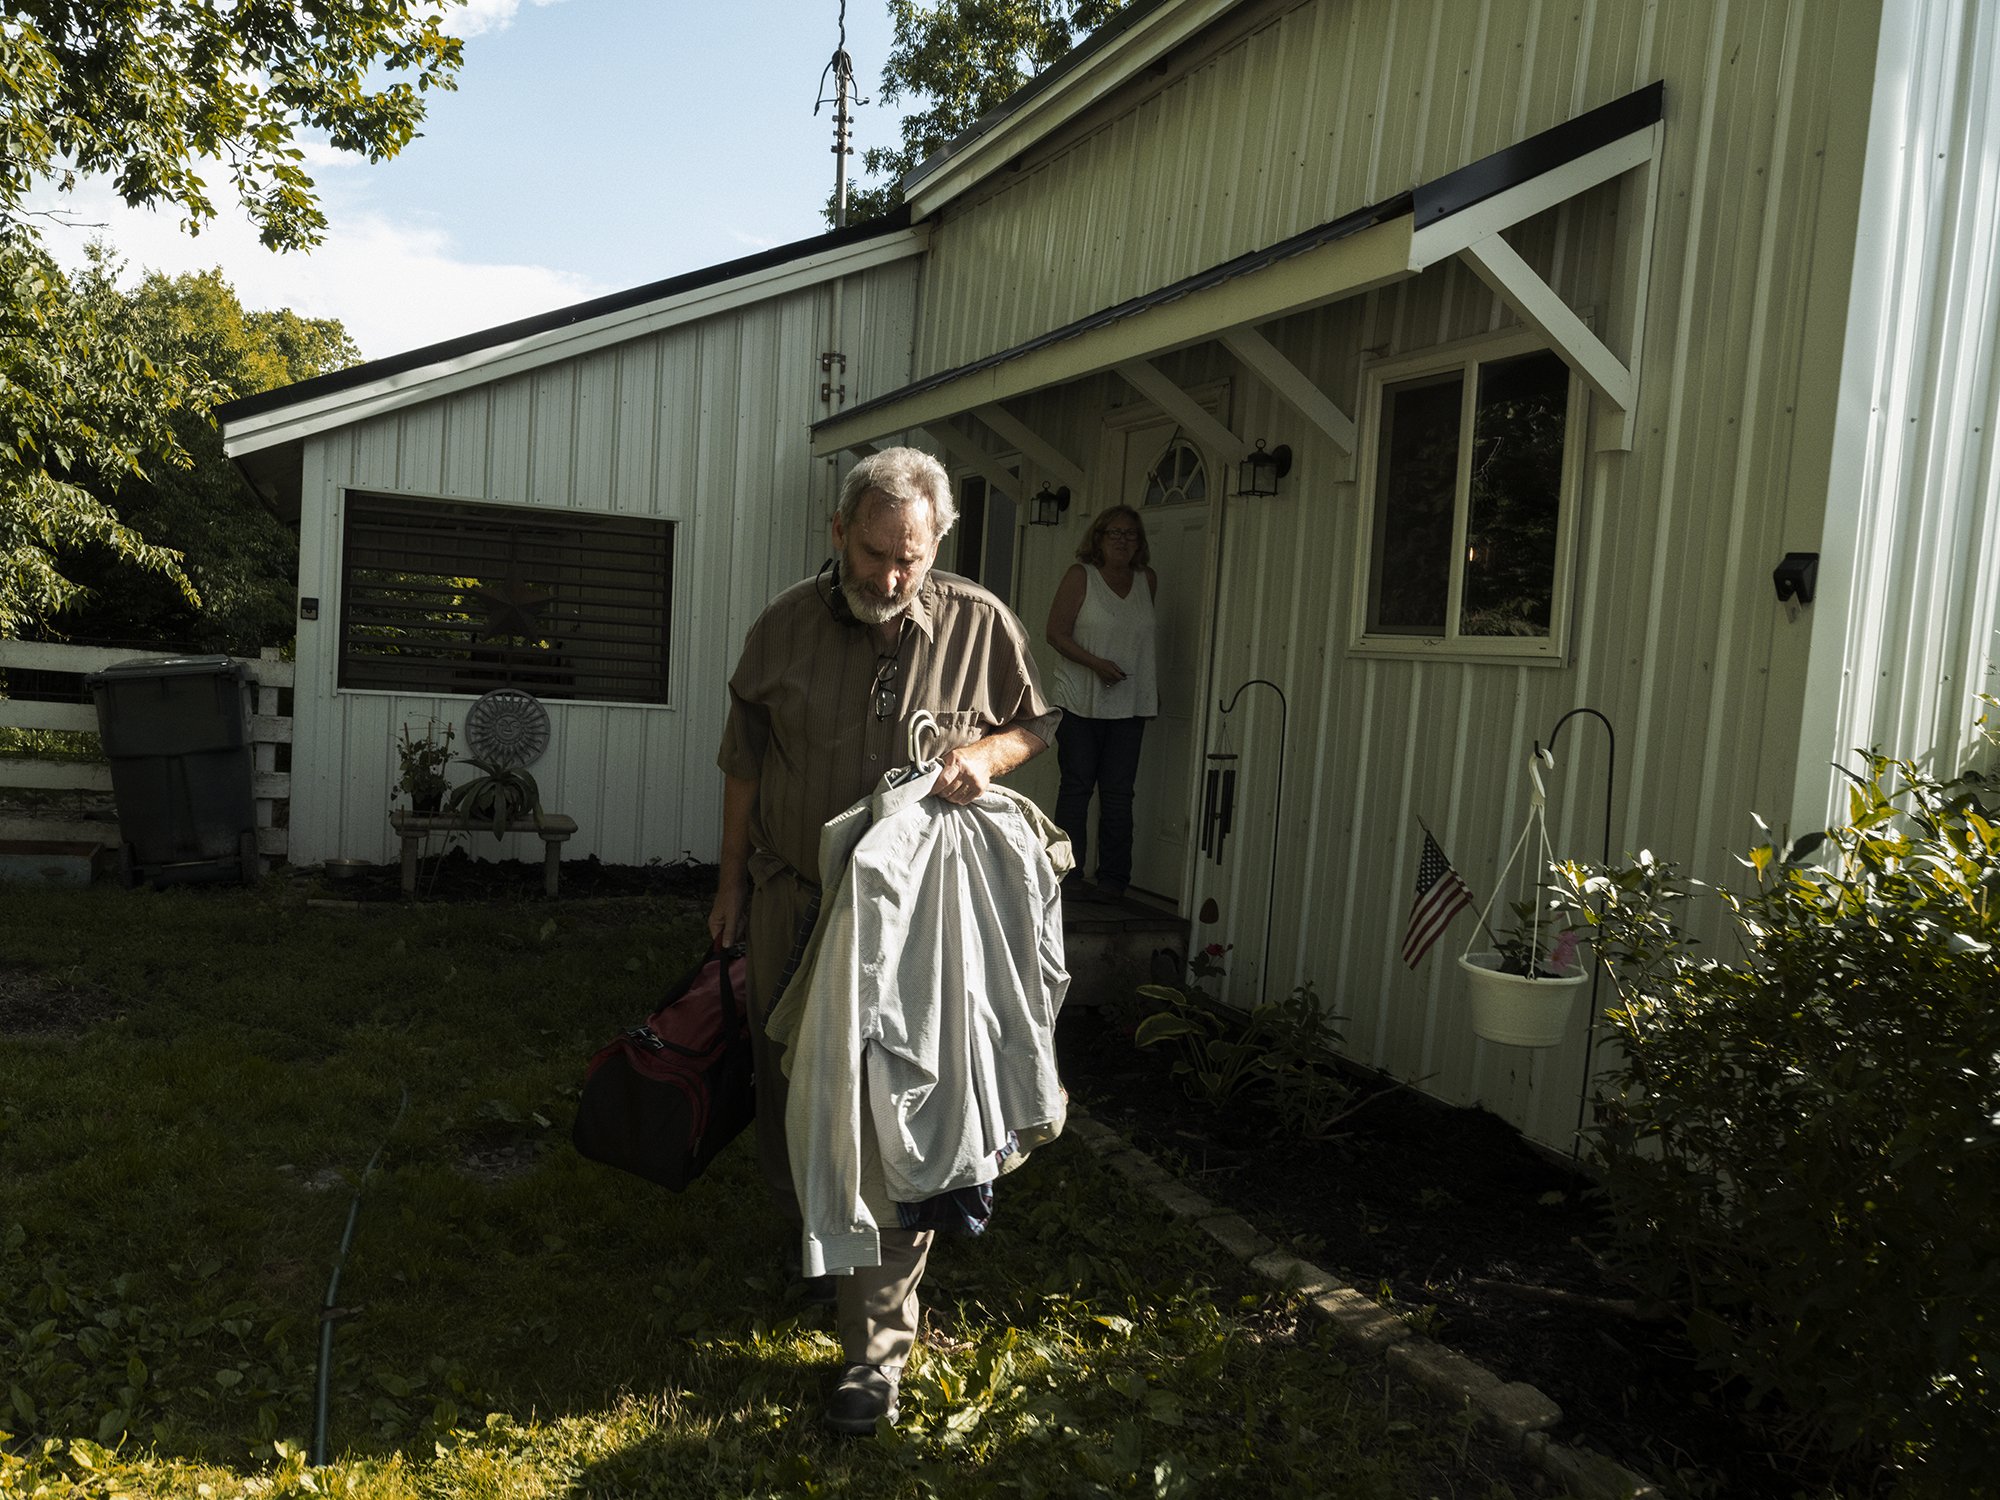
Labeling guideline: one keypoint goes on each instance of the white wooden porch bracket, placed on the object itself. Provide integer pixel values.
(968, 454)
(1292, 385)
(1515, 282)
(1050, 459)
(1518, 204)
(1221, 443)
(1474, 234)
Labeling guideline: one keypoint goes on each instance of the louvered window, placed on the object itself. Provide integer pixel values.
(443, 598)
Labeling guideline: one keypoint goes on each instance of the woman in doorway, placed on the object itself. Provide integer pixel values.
(1102, 625)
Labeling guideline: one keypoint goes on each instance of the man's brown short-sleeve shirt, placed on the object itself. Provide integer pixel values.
(803, 706)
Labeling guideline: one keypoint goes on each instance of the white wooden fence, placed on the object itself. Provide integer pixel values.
(266, 674)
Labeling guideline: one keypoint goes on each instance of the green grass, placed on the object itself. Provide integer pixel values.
(181, 1159)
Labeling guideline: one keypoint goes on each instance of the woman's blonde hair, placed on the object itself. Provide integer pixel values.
(1091, 550)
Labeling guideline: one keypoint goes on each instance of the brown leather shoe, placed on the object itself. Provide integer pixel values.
(866, 1394)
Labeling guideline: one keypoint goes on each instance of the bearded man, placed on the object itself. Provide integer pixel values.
(829, 674)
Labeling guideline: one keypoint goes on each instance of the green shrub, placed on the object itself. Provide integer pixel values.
(1802, 1146)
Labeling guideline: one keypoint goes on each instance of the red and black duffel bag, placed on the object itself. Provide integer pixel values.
(664, 1099)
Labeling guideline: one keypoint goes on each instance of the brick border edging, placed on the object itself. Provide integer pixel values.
(1520, 1413)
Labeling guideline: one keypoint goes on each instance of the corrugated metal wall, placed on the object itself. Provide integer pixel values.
(1678, 638)
(1332, 106)
(1911, 553)
(704, 425)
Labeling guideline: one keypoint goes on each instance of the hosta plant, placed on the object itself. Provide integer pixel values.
(1282, 1050)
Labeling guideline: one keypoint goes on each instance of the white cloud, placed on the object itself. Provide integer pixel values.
(477, 17)
(394, 285)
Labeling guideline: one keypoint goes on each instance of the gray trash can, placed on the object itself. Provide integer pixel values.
(176, 733)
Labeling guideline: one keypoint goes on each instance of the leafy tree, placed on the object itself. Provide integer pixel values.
(152, 94)
(241, 559)
(964, 57)
(69, 402)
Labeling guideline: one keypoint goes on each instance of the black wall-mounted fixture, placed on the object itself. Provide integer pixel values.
(1796, 577)
(308, 609)
(1260, 471)
(1047, 505)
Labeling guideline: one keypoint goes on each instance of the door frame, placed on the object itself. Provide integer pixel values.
(1115, 429)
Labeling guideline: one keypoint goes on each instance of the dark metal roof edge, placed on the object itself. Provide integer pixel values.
(1428, 204)
(1542, 152)
(561, 317)
(1040, 84)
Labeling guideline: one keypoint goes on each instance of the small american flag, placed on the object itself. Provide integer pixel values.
(1441, 895)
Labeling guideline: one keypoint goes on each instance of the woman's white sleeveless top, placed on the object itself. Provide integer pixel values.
(1119, 630)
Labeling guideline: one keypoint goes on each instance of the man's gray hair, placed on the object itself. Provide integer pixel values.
(910, 476)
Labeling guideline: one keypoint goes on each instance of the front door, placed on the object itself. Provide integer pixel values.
(1165, 479)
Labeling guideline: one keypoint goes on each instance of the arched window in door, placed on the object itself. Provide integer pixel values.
(1178, 475)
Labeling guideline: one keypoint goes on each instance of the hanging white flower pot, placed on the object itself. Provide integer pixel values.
(1519, 1009)
(1524, 1009)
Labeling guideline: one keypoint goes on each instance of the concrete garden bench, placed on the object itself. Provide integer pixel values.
(413, 827)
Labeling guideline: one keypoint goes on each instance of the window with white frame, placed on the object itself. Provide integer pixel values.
(1469, 477)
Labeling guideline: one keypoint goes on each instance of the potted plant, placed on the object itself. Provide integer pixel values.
(1522, 989)
(423, 758)
(497, 795)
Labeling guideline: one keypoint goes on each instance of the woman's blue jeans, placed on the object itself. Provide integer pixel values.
(1100, 755)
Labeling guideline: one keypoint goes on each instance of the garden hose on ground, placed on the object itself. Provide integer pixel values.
(327, 1313)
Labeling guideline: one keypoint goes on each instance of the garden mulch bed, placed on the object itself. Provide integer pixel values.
(1494, 1246)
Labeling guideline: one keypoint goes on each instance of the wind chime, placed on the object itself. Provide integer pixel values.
(1218, 796)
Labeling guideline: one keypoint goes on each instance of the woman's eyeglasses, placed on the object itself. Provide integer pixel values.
(887, 670)
(1120, 534)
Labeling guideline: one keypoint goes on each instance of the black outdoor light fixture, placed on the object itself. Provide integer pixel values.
(1797, 577)
(1047, 505)
(1260, 471)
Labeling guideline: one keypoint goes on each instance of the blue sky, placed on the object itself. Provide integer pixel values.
(591, 145)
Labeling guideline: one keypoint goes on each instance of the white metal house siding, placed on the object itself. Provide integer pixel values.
(703, 425)
(1333, 105)
(1676, 634)
(1910, 556)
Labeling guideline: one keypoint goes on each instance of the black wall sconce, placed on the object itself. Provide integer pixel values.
(1797, 577)
(1046, 506)
(1260, 471)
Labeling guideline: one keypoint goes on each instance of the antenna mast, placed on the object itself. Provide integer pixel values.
(841, 70)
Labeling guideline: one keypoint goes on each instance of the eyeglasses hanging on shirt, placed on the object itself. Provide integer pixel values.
(888, 672)
(882, 688)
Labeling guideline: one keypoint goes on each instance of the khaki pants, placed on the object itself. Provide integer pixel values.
(876, 1311)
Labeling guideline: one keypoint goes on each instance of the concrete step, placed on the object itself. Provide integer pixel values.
(1114, 944)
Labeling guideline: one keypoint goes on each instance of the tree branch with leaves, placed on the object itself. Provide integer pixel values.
(156, 96)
